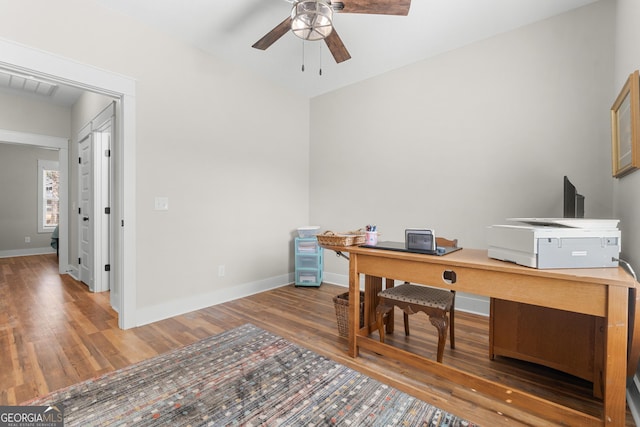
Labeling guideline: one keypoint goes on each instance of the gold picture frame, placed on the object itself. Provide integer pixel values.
(625, 128)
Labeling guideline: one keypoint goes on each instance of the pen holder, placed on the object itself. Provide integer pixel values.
(371, 238)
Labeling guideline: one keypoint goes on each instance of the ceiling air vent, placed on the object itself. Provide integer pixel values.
(25, 83)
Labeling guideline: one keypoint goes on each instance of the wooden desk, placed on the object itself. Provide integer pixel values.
(596, 292)
(563, 340)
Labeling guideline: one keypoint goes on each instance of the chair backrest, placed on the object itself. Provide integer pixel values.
(441, 241)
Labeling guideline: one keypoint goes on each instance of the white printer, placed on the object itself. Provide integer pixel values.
(556, 242)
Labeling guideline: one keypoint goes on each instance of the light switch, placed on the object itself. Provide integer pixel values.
(162, 203)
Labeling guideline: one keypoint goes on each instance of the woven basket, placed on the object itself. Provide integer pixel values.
(341, 302)
(350, 238)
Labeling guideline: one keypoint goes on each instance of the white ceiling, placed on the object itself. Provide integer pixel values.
(377, 43)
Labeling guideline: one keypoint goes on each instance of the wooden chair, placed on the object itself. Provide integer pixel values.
(436, 303)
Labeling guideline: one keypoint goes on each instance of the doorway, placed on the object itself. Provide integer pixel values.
(45, 65)
(61, 146)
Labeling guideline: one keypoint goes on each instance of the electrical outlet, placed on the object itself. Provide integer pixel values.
(27, 239)
(221, 271)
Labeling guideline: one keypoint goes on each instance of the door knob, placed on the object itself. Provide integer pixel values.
(86, 218)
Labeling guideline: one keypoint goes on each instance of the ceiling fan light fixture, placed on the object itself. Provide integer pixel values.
(311, 19)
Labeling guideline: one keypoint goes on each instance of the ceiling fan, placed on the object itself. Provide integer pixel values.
(313, 20)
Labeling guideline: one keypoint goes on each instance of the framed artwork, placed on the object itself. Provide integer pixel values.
(625, 128)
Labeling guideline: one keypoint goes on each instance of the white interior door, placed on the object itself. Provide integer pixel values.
(95, 218)
(85, 212)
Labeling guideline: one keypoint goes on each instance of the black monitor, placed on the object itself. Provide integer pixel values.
(573, 202)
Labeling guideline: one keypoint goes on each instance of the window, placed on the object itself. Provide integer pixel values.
(48, 195)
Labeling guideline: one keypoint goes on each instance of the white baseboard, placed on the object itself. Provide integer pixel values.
(469, 303)
(26, 252)
(145, 315)
(73, 271)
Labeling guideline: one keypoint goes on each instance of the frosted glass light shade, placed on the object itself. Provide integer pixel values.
(312, 19)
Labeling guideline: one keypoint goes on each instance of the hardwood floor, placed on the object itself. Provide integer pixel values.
(54, 333)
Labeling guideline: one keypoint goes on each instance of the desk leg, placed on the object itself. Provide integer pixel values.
(388, 284)
(615, 349)
(354, 305)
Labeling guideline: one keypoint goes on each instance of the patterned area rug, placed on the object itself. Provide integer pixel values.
(242, 377)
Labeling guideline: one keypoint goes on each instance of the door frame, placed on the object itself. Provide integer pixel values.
(65, 71)
(103, 168)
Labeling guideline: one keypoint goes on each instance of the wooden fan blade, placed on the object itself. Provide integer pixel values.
(336, 47)
(272, 36)
(374, 7)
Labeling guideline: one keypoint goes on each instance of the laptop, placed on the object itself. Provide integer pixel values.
(401, 247)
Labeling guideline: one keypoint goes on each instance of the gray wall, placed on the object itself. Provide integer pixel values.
(471, 137)
(19, 195)
(627, 189)
(31, 115)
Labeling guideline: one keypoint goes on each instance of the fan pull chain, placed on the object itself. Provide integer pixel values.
(303, 56)
(320, 71)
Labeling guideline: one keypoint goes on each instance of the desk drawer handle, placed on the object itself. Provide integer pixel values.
(449, 276)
